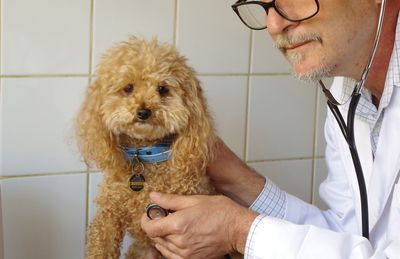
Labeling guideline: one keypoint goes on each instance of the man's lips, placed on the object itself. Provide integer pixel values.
(295, 46)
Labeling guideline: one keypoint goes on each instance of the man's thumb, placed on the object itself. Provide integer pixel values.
(173, 202)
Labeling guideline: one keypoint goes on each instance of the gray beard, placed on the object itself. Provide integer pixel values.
(295, 58)
(311, 76)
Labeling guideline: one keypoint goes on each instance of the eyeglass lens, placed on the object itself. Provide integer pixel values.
(254, 13)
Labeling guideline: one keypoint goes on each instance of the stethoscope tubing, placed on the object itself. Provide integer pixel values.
(348, 129)
(348, 133)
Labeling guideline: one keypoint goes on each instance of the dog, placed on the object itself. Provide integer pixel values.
(145, 124)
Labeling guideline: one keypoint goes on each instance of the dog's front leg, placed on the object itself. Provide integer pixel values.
(106, 231)
(104, 236)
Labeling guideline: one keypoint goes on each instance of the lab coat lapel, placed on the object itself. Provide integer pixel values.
(387, 160)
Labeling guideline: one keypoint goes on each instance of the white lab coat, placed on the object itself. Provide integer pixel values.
(311, 236)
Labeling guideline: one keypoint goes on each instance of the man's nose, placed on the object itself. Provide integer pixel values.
(276, 24)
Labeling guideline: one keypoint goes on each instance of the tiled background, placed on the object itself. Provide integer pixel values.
(49, 49)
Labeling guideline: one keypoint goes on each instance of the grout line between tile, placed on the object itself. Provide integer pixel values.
(314, 163)
(44, 75)
(248, 92)
(282, 159)
(87, 205)
(92, 74)
(91, 37)
(244, 74)
(10, 177)
(91, 47)
(176, 12)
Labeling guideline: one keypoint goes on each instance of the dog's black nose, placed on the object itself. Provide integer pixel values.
(143, 113)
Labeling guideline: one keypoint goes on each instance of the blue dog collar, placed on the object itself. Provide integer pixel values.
(151, 154)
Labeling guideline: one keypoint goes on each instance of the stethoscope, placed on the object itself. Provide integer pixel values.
(348, 129)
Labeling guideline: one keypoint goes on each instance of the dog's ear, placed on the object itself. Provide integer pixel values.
(97, 144)
(193, 149)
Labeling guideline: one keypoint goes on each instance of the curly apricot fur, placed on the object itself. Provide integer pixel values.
(108, 121)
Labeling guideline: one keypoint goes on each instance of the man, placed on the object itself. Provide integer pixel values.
(336, 40)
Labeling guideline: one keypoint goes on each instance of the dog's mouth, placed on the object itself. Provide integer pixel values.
(154, 127)
(148, 124)
(139, 122)
(146, 131)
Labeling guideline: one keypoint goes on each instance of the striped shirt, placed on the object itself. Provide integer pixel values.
(272, 200)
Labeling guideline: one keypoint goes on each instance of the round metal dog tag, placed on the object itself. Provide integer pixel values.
(136, 182)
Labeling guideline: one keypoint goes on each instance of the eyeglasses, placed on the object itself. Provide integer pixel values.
(254, 13)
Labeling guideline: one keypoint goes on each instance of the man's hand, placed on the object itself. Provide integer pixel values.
(200, 227)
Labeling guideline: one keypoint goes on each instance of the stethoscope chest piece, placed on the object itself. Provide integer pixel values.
(154, 211)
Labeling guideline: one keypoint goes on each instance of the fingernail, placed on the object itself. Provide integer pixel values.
(155, 195)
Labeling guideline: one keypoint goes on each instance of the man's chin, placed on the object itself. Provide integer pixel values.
(306, 69)
(313, 74)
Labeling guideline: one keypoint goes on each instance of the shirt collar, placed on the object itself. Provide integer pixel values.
(392, 77)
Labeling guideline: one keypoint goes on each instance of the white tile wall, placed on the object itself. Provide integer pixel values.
(44, 217)
(1, 229)
(281, 118)
(38, 125)
(321, 115)
(116, 20)
(294, 176)
(212, 37)
(227, 100)
(45, 36)
(265, 57)
(48, 51)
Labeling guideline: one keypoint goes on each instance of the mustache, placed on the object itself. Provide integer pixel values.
(284, 41)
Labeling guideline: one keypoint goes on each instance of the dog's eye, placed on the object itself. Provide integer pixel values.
(162, 89)
(128, 89)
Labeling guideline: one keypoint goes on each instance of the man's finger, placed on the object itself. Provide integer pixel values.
(158, 227)
(165, 242)
(153, 228)
(166, 253)
(173, 201)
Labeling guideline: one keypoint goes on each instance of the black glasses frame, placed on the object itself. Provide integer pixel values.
(266, 6)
